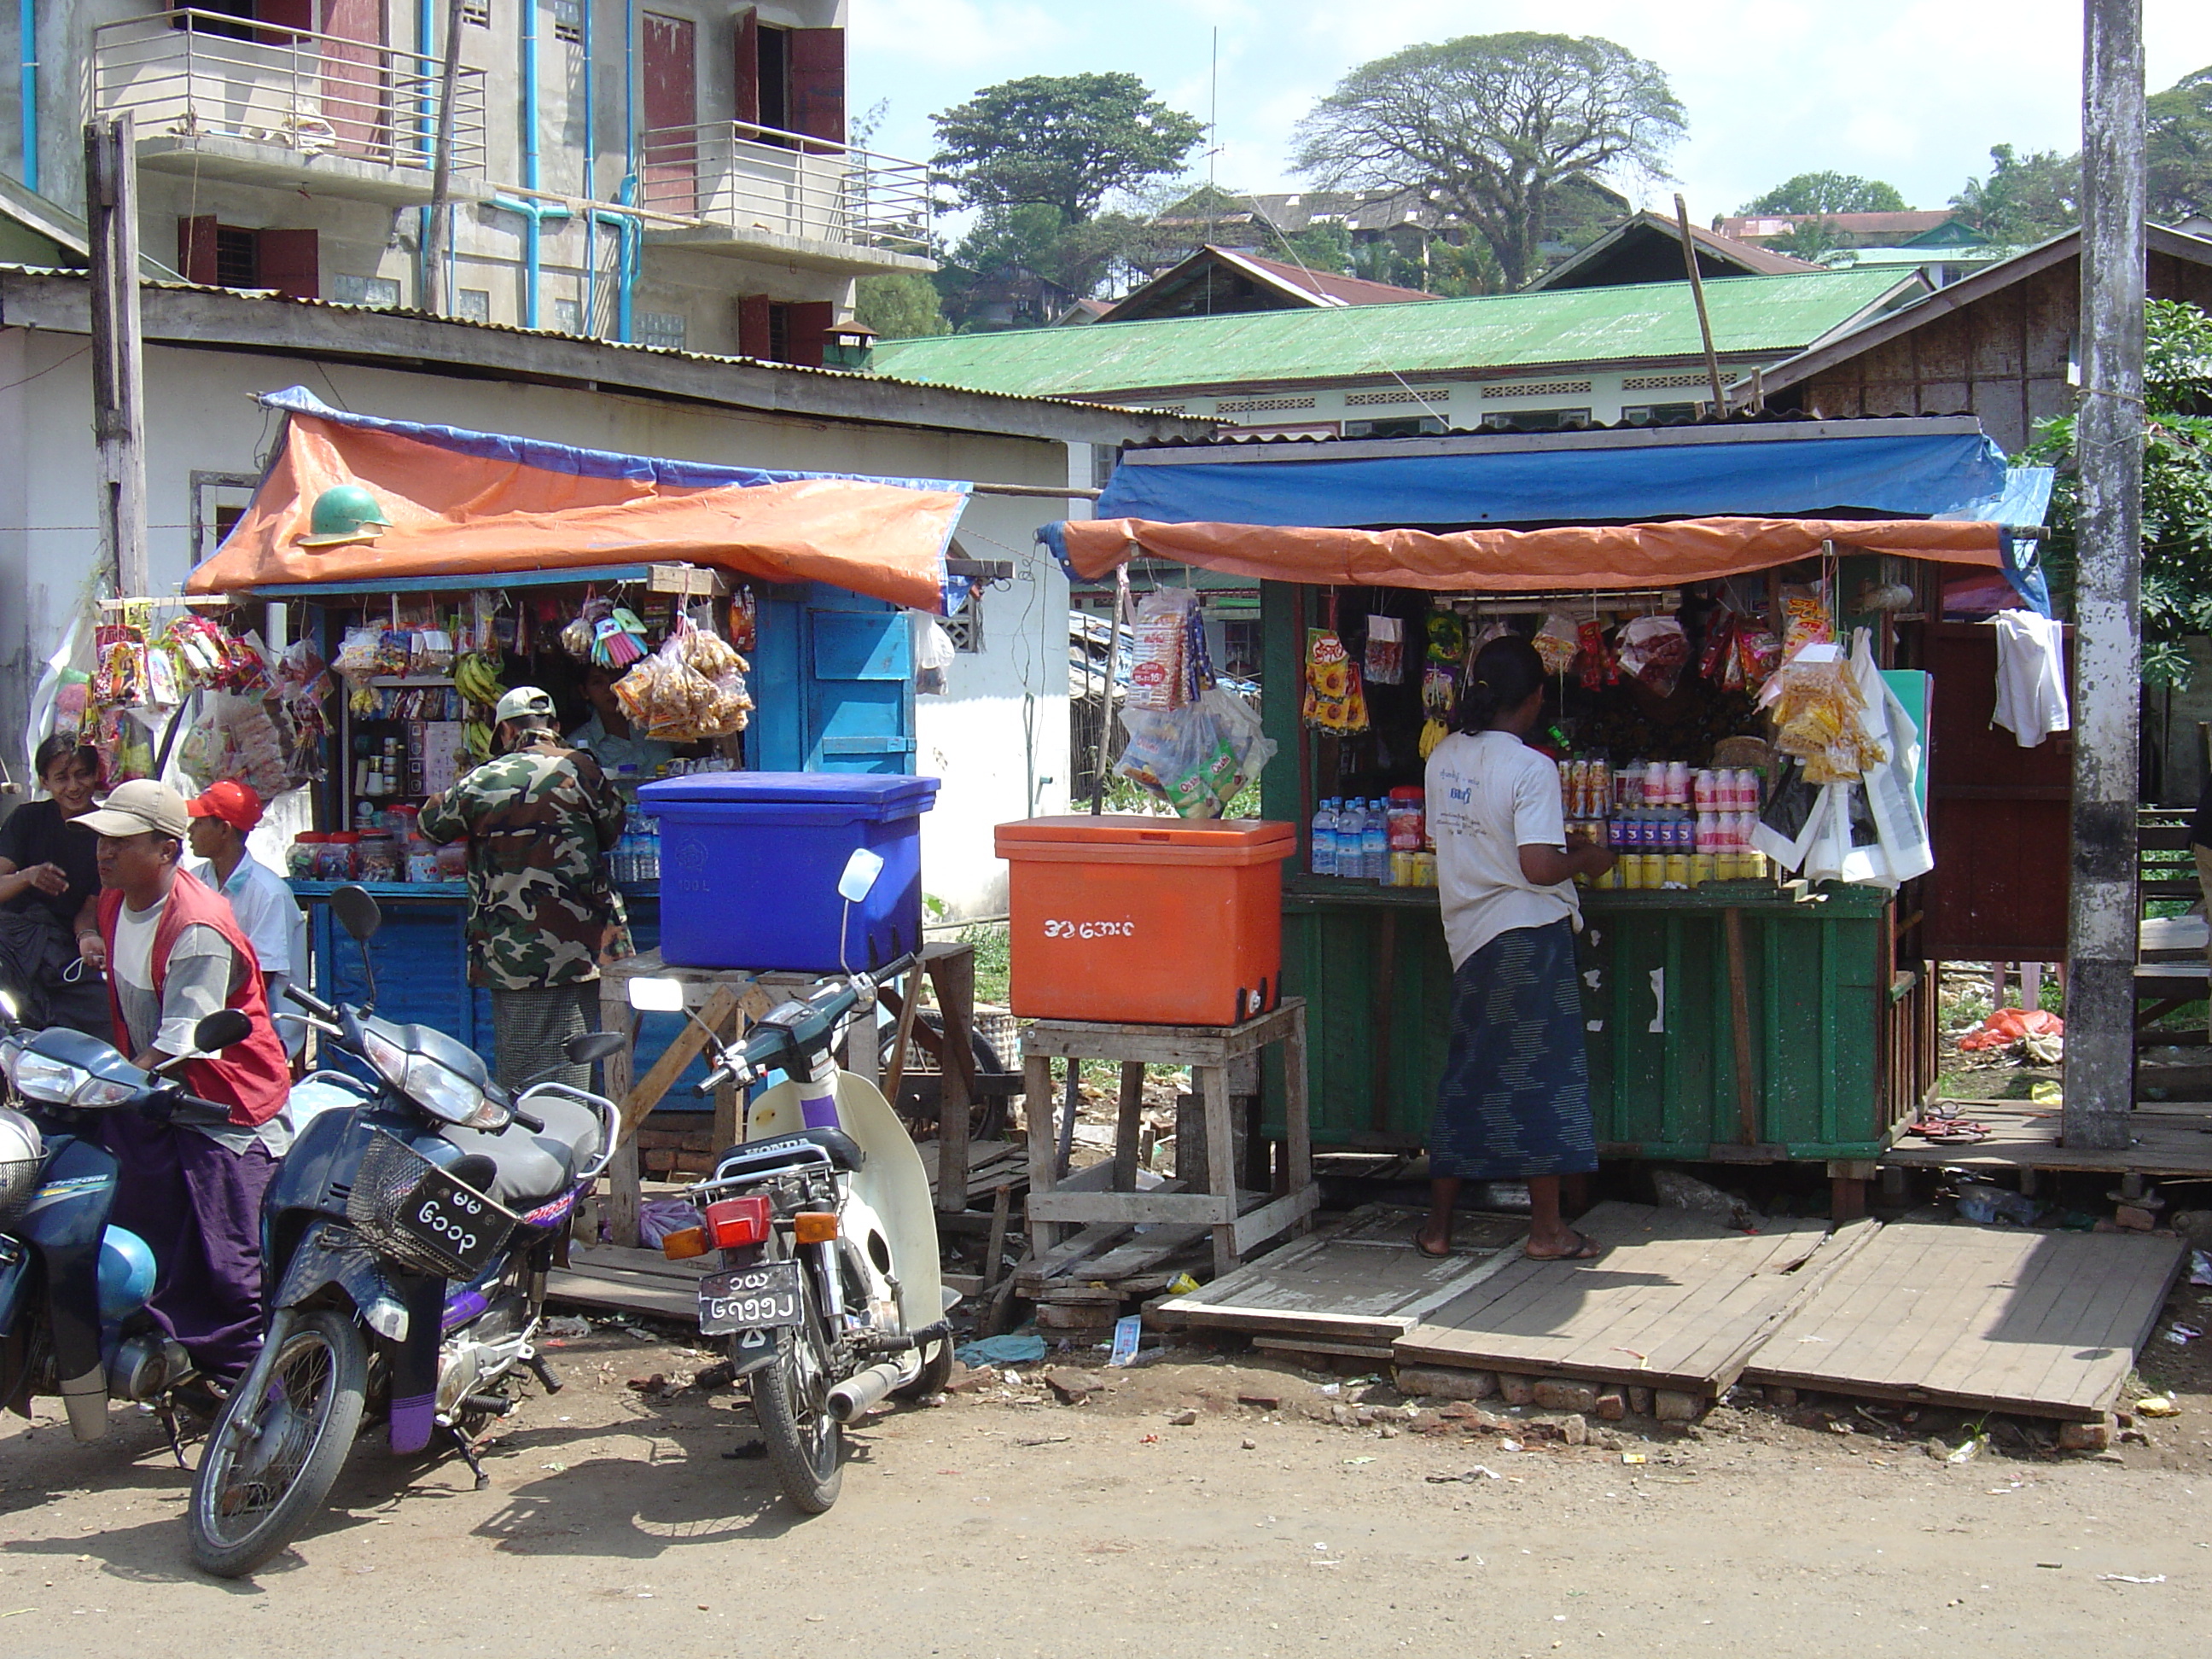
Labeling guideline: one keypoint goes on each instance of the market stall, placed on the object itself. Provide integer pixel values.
(1734, 1009)
(656, 601)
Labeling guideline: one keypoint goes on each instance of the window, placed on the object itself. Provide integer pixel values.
(568, 21)
(232, 256)
(775, 79)
(778, 332)
(1661, 414)
(1535, 420)
(1240, 646)
(664, 329)
(964, 627)
(473, 305)
(568, 317)
(1398, 426)
(382, 292)
(476, 14)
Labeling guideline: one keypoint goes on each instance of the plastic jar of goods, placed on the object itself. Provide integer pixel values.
(1406, 819)
(334, 856)
(379, 858)
(421, 860)
(299, 856)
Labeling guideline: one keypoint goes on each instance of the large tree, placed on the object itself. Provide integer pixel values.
(1829, 192)
(1492, 127)
(1062, 141)
(2026, 198)
(900, 306)
(2179, 149)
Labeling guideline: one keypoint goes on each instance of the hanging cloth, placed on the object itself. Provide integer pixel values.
(2031, 676)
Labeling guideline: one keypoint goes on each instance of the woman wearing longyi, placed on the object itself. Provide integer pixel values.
(1514, 1104)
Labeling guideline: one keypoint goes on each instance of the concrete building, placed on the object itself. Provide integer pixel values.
(673, 173)
(999, 734)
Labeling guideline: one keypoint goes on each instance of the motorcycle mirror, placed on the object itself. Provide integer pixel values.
(594, 1045)
(220, 1030)
(861, 872)
(657, 996)
(357, 913)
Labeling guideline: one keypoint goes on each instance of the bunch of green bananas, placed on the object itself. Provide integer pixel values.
(475, 676)
(476, 739)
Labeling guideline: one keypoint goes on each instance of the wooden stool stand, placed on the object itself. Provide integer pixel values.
(1207, 1050)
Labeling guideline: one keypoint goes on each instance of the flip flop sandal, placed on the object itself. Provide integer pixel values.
(1949, 1131)
(1433, 1255)
(1586, 1249)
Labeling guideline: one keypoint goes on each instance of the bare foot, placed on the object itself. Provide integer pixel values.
(1568, 1246)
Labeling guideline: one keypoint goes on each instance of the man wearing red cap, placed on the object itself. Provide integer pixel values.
(222, 817)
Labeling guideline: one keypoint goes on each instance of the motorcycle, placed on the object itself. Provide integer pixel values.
(73, 1288)
(406, 1238)
(828, 1290)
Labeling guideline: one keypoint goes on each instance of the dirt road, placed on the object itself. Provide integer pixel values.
(1005, 1522)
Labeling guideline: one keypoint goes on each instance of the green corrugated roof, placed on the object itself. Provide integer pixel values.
(1750, 314)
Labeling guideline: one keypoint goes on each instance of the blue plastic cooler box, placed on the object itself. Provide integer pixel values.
(750, 863)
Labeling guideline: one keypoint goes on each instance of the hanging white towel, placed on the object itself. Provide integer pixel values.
(2031, 676)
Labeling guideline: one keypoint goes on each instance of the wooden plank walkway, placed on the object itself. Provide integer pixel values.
(1678, 1301)
(2167, 1142)
(623, 1280)
(2043, 1323)
(1360, 1283)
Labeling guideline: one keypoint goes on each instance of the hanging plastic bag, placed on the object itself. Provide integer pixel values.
(932, 655)
(1557, 642)
(1656, 650)
(1805, 617)
(1196, 758)
(1439, 697)
(692, 688)
(1334, 700)
(1386, 651)
(1159, 660)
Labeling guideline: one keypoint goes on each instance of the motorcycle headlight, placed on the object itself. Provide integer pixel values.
(40, 1076)
(442, 1093)
(98, 1092)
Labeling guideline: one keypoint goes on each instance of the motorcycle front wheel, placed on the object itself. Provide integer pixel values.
(791, 1400)
(254, 1491)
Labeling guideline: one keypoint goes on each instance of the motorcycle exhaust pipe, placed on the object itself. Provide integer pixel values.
(859, 1395)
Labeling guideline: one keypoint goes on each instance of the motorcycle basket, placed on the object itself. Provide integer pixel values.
(415, 1214)
(18, 1181)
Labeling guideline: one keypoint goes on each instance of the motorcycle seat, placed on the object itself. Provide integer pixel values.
(844, 1152)
(533, 1168)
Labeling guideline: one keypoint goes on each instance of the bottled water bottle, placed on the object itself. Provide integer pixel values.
(1324, 839)
(1374, 843)
(1351, 839)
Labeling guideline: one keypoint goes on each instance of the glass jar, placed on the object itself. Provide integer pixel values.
(300, 857)
(379, 858)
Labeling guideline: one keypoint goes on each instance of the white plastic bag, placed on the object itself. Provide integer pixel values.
(1196, 758)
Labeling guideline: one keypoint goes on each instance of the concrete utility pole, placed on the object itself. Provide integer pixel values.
(2100, 1003)
(438, 246)
(111, 192)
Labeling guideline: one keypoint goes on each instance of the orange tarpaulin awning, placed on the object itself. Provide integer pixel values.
(1597, 556)
(472, 506)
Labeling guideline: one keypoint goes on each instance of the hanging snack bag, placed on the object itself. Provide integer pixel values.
(1656, 650)
(1598, 666)
(1758, 653)
(1334, 700)
(1447, 638)
(1805, 618)
(1386, 651)
(1557, 643)
(1159, 665)
(1719, 651)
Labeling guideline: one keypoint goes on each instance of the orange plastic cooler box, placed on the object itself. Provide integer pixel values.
(1146, 921)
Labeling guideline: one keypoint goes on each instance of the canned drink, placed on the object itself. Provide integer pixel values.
(1630, 872)
(1401, 869)
(1678, 870)
(1701, 868)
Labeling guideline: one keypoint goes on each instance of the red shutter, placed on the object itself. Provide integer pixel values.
(752, 327)
(196, 249)
(817, 83)
(298, 15)
(810, 320)
(748, 78)
(291, 263)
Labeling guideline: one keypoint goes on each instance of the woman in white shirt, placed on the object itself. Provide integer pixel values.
(1514, 1104)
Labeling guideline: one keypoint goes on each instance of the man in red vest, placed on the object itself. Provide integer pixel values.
(175, 954)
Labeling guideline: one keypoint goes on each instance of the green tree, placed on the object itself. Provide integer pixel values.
(1829, 192)
(902, 306)
(2178, 149)
(1063, 141)
(1492, 127)
(2176, 511)
(1323, 247)
(2026, 198)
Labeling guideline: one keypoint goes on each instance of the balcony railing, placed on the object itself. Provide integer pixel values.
(751, 180)
(190, 76)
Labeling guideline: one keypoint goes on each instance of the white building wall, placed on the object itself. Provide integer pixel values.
(998, 737)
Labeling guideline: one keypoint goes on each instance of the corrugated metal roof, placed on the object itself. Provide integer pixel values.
(1750, 314)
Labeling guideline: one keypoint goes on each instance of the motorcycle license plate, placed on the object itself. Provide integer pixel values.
(756, 1298)
(449, 1217)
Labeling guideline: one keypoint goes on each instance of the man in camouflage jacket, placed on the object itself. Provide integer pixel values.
(538, 818)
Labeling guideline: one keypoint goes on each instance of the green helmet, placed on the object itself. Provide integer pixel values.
(341, 512)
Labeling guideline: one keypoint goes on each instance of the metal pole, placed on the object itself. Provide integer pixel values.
(2101, 933)
(111, 190)
(1697, 294)
(435, 257)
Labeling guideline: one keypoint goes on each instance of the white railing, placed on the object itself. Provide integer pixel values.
(200, 74)
(745, 178)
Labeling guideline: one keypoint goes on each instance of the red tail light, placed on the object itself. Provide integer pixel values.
(736, 1221)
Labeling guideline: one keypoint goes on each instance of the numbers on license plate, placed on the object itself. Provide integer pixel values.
(751, 1299)
(461, 1236)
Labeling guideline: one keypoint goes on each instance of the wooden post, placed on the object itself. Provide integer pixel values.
(1044, 1153)
(1128, 1125)
(1747, 1086)
(1698, 297)
(952, 977)
(110, 191)
(1298, 1132)
(1212, 1084)
(624, 1182)
(2102, 931)
(438, 245)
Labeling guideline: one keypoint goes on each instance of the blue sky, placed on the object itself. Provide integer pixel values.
(1912, 91)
